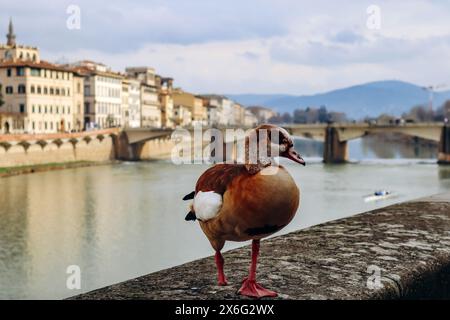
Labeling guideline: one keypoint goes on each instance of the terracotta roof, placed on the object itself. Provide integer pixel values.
(88, 71)
(32, 64)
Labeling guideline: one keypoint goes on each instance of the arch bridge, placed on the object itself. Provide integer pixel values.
(336, 135)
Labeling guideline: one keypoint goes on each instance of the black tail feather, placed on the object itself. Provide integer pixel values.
(190, 216)
(189, 196)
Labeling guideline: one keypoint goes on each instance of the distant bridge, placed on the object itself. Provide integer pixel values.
(336, 135)
(133, 140)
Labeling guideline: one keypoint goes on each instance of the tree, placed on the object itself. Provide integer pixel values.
(276, 119)
(419, 114)
(300, 116)
(323, 115)
(286, 117)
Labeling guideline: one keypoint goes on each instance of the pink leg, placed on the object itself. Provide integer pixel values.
(222, 281)
(249, 286)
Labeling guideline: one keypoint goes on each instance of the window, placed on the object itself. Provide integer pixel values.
(51, 125)
(39, 89)
(9, 72)
(21, 88)
(51, 109)
(35, 72)
(68, 110)
(56, 91)
(63, 92)
(32, 89)
(52, 91)
(45, 90)
(22, 108)
(9, 90)
(32, 110)
(45, 125)
(32, 124)
(78, 88)
(20, 71)
(39, 108)
(45, 109)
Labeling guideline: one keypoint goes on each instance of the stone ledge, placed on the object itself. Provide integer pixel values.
(408, 243)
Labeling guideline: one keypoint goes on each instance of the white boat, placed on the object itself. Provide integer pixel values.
(378, 195)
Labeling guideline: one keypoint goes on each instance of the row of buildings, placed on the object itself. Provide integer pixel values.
(42, 97)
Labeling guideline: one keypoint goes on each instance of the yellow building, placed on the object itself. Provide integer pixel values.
(39, 97)
(165, 91)
(192, 103)
(238, 114)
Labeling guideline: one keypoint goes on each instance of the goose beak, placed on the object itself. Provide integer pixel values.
(294, 156)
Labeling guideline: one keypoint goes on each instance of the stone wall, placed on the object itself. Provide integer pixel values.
(160, 148)
(398, 252)
(97, 147)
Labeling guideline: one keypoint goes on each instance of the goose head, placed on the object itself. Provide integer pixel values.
(268, 141)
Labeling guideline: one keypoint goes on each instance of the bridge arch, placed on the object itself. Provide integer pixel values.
(337, 135)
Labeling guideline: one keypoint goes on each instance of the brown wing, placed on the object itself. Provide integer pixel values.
(218, 177)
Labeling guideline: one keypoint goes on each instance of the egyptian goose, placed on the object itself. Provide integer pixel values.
(248, 201)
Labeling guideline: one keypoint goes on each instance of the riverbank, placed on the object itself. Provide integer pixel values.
(401, 251)
(14, 171)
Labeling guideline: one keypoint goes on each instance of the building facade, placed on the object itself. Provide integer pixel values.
(165, 93)
(125, 108)
(38, 96)
(250, 119)
(134, 103)
(193, 103)
(224, 112)
(102, 95)
(151, 116)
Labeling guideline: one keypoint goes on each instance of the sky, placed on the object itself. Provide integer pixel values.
(247, 46)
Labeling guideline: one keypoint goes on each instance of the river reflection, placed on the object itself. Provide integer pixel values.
(120, 221)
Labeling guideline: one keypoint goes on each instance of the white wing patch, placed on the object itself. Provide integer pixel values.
(207, 205)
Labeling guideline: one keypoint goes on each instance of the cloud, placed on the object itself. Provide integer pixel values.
(353, 48)
(259, 46)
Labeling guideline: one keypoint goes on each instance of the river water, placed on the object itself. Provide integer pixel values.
(118, 222)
